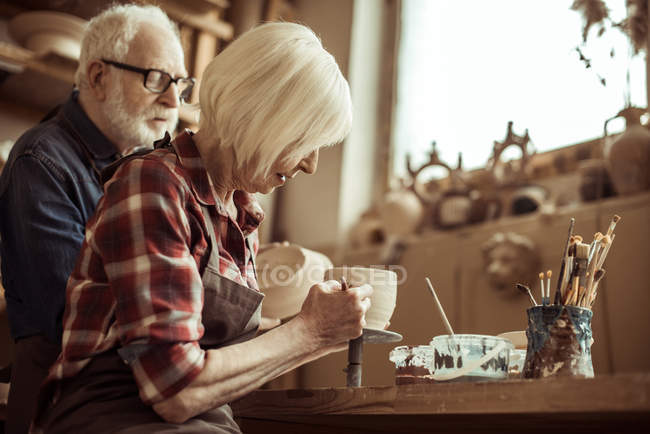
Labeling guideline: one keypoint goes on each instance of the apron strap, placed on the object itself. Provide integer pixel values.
(210, 227)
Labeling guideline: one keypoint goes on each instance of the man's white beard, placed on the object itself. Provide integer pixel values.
(132, 129)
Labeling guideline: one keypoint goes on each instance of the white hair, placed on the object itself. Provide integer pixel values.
(109, 34)
(274, 87)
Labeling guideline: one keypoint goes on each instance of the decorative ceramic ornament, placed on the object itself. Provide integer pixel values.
(510, 258)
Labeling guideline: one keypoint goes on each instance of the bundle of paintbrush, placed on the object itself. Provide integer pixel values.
(581, 269)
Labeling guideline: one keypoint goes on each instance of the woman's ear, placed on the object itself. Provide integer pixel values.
(97, 79)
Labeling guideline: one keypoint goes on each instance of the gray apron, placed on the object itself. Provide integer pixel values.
(103, 397)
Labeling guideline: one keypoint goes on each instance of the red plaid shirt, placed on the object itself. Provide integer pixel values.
(137, 279)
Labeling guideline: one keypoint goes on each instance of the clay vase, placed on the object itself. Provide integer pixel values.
(401, 213)
(628, 157)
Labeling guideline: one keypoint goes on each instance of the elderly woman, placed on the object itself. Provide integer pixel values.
(163, 307)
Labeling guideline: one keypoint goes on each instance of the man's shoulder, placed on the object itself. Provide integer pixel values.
(50, 146)
(48, 138)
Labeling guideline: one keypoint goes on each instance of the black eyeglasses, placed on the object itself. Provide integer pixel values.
(158, 81)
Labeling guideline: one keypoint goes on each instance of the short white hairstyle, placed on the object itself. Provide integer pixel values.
(274, 88)
(109, 34)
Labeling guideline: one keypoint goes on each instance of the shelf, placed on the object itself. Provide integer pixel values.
(52, 64)
(33, 80)
(181, 14)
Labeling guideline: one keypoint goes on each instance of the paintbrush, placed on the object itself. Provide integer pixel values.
(440, 309)
(581, 295)
(569, 294)
(595, 246)
(558, 290)
(541, 286)
(566, 279)
(549, 273)
(612, 224)
(603, 255)
(599, 276)
(582, 256)
(592, 265)
(524, 288)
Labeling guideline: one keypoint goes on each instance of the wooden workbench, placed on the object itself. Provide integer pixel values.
(618, 403)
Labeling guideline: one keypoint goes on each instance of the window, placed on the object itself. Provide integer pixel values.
(466, 68)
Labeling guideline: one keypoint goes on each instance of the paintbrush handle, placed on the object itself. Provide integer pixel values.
(560, 277)
(442, 311)
(601, 259)
(558, 291)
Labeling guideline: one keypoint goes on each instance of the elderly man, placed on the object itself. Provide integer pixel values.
(131, 80)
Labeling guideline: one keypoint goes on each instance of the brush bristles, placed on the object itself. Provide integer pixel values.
(582, 251)
(541, 275)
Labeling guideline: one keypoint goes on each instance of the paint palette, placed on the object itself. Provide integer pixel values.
(469, 357)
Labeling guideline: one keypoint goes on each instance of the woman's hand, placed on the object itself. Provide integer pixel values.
(333, 316)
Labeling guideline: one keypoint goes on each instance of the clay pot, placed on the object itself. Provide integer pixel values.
(401, 213)
(384, 296)
(285, 273)
(595, 183)
(628, 156)
(368, 231)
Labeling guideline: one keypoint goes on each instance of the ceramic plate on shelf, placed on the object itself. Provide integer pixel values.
(48, 31)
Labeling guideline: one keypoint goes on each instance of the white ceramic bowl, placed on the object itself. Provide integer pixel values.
(384, 296)
(285, 273)
(48, 31)
(518, 339)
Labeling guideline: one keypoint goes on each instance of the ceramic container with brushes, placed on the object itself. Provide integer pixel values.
(559, 342)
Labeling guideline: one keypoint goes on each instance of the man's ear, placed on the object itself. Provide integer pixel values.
(97, 78)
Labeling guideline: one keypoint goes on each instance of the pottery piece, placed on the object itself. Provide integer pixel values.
(595, 182)
(368, 231)
(559, 342)
(48, 31)
(528, 198)
(510, 258)
(384, 296)
(518, 339)
(401, 213)
(628, 156)
(285, 273)
(518, 353)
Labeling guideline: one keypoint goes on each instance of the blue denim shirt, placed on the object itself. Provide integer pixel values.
(49, 188)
